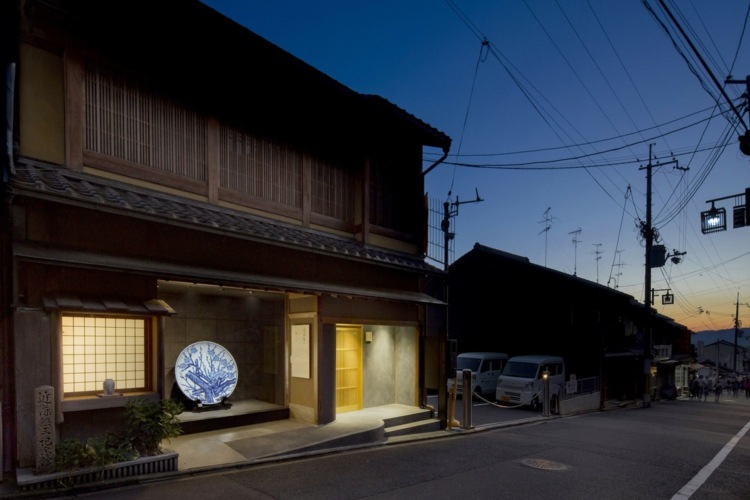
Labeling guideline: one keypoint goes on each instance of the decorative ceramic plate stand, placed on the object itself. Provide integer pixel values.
(206, 373)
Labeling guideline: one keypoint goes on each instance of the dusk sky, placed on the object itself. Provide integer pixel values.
(552, 120)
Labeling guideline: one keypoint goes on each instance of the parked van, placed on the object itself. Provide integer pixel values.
(521, 381)
(485, 368)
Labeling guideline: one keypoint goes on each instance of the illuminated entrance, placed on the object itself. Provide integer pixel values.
(348, 368)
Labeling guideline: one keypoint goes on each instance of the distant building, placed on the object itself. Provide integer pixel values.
(502, 302)
(721, 354)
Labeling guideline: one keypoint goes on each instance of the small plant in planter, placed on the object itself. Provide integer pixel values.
(136, 451)
(149, 423)
(72, 454)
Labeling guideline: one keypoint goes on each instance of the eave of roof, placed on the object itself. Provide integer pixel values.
(61, 185)
(171, 271)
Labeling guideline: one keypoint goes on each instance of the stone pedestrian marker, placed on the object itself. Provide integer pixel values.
(44, 409)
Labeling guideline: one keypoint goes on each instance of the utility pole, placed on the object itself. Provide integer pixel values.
(745, 138)
(736, 330)
(649, 234)
(737, 325)
(451, 210)
(576, 241)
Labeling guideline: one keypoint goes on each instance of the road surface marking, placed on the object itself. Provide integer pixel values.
(700, 478)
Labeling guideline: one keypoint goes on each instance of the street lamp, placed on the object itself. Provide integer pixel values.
(713, 220)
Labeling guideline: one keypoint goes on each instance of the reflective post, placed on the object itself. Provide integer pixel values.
(468, 398)
(545, 381)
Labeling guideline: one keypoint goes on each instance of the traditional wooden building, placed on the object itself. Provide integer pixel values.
(171, 179)
(502, 302)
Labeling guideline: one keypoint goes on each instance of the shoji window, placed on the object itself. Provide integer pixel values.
(95, 348)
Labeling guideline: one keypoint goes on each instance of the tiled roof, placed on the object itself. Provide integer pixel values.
(60, 184)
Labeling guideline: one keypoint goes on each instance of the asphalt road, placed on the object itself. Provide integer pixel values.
(691, 447)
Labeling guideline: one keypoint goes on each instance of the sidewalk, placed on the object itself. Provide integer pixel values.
(269, 441)
(207, 450)
(213, 451)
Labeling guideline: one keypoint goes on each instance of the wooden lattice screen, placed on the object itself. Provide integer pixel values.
(124, 120)
(332, 191)
(260, 168)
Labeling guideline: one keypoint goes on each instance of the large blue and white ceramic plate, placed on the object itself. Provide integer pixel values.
(206, 372)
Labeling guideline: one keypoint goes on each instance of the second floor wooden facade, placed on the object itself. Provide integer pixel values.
(227, 118)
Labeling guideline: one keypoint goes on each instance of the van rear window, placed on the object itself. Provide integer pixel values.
(468, 364)
(520, 369)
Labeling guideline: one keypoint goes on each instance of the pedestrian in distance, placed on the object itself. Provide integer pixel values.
(717, 390)
(704, 388)
(695, 389)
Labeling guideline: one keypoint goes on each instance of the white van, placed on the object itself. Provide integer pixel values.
(485, 368)
(521, 381)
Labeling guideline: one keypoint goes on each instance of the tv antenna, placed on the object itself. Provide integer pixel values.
(576, 241)
(547, 220)
(598, 256)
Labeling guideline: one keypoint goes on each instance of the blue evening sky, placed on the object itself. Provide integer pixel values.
(551, 122)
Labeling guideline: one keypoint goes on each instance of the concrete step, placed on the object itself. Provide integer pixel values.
(414, 416)
(413, 427)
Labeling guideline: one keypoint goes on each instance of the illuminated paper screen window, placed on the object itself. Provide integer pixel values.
(97, 348)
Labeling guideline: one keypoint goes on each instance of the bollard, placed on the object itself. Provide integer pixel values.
(545, 381)
(452, 422)
(468, 399)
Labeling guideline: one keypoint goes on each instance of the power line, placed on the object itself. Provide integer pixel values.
(541, 165)
(711, 108)
(703, 63)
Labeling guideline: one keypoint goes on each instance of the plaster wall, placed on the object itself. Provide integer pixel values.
(33, 369)
(389, 366)
(41, 105)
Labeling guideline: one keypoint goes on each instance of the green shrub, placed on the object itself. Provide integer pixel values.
(149, 423)
(71, 454)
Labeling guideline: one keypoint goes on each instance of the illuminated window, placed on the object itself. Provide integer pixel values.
(95, 348)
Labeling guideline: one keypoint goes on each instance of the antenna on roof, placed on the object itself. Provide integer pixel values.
(547, 220)
(598, 257)
(576, 241)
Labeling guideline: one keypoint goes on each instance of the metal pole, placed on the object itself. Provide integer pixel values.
(468, 399)
(736, 327)
(545, 382)
(446, 233)
(649, 235)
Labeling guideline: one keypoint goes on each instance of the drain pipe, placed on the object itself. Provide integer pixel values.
(439, 161)
(7, 160)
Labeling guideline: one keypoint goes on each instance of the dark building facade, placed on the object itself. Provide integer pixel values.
(502, 302)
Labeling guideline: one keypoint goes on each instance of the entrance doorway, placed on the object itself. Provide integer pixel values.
(348, 368)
